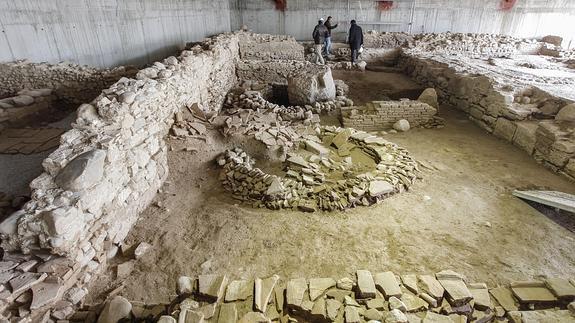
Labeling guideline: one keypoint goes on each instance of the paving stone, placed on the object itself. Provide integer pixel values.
(561, 288)
(410, 282)
(341, 138)
(378, 188)
(295, 292)
(338, 294)
(263, 291)
(44, 294)
(397, 316)
(430, 285)
(25, 281)
(318, 311)
(387, 284)
(317, 148)
(532, 292)
(348, 301)
(457, 292)
(431, 317)
(116, 309)
(547, 316)
(377, 303)
(504, 297)
(373, 314)
(481, 298)
(318, 286)
(254, 317)
(212, 287)
(239, 290)
(345, 283)
(396, 303)
(352, 315)
(413, 303)
(332, 308)
(365, 284)
(483, 317)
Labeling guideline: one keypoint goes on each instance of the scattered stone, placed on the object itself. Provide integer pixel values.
(169, 319)
(295, 292)
(345, 284)
(141, 249)
(318, 286)
(377, 303)
(504, 297)
(352, 315)
(263, 292)
(373, 314)
(44, 294)
(386, 282)
(338, 294)
(396, 303)
(349, 301)
(378, 188)
(212, 287)
(124, 270)
(532, 292)
(318, 311)
(561, 288)
(401, 125)
(429, 96)
(316, 148)
(410, 282)
(567, 113)
(341, 138)
(208, 310)
(432, 317)
(185, 285)
(413, 303)
(457, 292)
(239, 290)
(365, 284)
(430, 285)
(25, 281)
(188, 316)
(115, 310)
(332, 308)
(396, 316)
(481, 298)
(254, 317)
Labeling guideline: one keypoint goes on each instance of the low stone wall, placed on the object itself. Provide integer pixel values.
(106, 171)
(70, 82)
(270, 71)
(270, 47)
(516, 113)
(380, 115)
(26, 103)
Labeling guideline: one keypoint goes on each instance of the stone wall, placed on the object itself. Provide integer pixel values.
(269, 71)
(26, 103)
(271, 47)
(107, 169)
(380, 115)
(73, 83)
(524, 116)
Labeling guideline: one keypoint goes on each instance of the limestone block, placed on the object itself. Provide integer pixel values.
(505, 129)
(66, 223)
(429, 96)
(309, 87)
(567, 113)
(83, 171)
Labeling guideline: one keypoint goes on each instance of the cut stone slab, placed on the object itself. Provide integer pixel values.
(373, 314)
(254, 317)
(532, 292)
(263, 291)
(481, 298)
(341, 138)
(561, 288)
(504, 297)
(338, 294)
(378, 188)
(316, 148)
(432, 317)
(349, 301)
(396, 303)
(377, 303)
(432, 286)
(295, 292)
(83, 171)
(560, 200)
(298, 161)
(545, 316)
(280, 298)
(318, 311)
(345, 284)
(318, 286)
(208, 310)
(25, 281)
(457, 292)
(365, 284)
(212, 287)
(352, 315)
(413, 303)
(239, 290)
(185, 285)
(44, 294)
(396, 316)
(115, 310)
(410, 282)
(387, 284)
(188, 316)
(332, 308)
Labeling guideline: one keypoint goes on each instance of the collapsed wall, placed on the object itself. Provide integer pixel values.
(70, 82)
(523, 115)
(107, 169)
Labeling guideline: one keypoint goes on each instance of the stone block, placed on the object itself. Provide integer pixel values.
(505, 129)
(387, 284)
(308, 87)
(365, 284)
(524, 136)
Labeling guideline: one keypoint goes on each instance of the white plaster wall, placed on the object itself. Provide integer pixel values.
(105, 32)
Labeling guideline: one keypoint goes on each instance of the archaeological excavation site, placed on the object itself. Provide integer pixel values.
(223, 161)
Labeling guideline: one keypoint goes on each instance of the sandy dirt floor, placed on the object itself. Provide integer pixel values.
(460, 215)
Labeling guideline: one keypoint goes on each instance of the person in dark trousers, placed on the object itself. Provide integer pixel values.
(329, 25)
(319, 34)
(355, 40)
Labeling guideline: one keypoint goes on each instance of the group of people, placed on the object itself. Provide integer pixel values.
(322, 39)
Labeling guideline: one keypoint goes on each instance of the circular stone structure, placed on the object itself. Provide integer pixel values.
(334, 169)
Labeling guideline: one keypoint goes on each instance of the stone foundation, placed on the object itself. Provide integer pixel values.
(381, 115)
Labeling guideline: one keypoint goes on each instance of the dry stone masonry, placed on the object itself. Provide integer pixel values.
(372, 297)
(340, 168)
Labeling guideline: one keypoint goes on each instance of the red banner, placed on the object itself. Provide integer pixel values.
(507, 4)
(384, 5)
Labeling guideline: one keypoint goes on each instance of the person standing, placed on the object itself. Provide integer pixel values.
(319, 35)
(329, 26)
(355, 40)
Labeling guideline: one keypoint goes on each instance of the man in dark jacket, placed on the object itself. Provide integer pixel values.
(329, 25)
(355, 40)
(320, 32)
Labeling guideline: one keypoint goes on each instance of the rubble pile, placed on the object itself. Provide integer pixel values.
(70, 82)
(446, 296)
(27, 102)
(335, 169)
